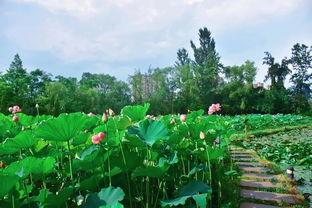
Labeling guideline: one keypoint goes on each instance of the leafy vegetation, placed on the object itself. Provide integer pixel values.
(126, 160)
(292, 148)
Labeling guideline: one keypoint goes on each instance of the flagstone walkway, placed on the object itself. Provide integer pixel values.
(261, 187)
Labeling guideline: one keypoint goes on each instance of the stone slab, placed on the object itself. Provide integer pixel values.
(253, 164)
(260, 184)
(260, 176)
(242, 155)
(253, 205)
(254, 169)
(269, 196)
(240, 152)
(245, 159)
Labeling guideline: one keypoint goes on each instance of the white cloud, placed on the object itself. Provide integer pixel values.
(114, 30)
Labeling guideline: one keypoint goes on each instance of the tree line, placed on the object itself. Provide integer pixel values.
(192, 83)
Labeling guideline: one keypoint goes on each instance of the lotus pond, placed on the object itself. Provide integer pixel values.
(126, 160)
(292, 148)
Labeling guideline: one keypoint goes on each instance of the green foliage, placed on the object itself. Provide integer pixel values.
(52, 162)
(135, 113)
(63, 128)
(149, 131)
(106, 197)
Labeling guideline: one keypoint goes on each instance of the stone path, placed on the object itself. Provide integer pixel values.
(257, 182)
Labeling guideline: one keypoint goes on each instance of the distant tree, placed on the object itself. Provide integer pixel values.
(136, 82)
(17, 80)
(276, 72)
(206, 68)
(206, 50)
(245, 73)
(235, 92)
(301, 61)
(56, 98)
(182, 58)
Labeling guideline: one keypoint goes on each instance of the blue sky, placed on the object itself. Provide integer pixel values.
(69, 37)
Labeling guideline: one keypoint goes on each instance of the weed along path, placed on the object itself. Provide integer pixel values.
(262, 186)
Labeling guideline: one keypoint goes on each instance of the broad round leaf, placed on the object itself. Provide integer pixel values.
(107, 196)
(24, 139)
(135, 113)
(63, 128)
(150, 131)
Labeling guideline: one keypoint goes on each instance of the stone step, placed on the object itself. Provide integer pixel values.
(240, 152)
(260, 184)
(253, 205)
(245, 159)
(269, 196)
(260, 176)
(237, 149)
(254, 164)
(242, 155)
(254, 169)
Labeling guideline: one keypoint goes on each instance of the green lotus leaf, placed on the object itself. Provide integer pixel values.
(39, 166)
(106, 197)
(7, 182)
(174, 202)
(201, 200)
(80, 138)
(194, 187)
(24, 139)
(123, 122)
(135, 113)
(151, 171)
(117, 205)
(25, 120)
(190, 190)
(149, 131)
(62, 128)
(60, 199)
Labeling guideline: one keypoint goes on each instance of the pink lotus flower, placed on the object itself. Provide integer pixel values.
(16, 109)
(91, 114)
(214, 108)
(15, 118)
(96, 139)
(183, 117)
(10, 109)
(202, 135)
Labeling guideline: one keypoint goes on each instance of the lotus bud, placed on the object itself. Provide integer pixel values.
(37, 105)
(183, 117)
(202, 135)
(111, 112)
(101, 135)
(172, 121)
(10, 109)
(104, 117)
(15, 118)
(91, 114)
